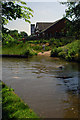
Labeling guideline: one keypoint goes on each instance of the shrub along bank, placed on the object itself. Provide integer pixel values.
(70, 52)
(13, 106)
(49, 44)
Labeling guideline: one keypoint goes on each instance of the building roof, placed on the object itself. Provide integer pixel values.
(43, 25)
(52, 25)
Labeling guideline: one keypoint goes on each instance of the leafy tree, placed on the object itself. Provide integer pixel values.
(13, 33)
(13, 10)
(73, 12)
(23, 34)
(7, 39)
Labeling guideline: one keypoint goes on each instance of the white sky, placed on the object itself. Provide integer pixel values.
(43, 12)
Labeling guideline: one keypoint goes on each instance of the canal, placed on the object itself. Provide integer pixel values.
(48, 85)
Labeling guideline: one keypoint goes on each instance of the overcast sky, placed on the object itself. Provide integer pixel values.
(43, 12)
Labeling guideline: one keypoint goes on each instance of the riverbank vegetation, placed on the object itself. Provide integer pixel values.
(18, 49)
(70, 52)
(23, 46)
(49, 43)
(67, 48)
(13, 106)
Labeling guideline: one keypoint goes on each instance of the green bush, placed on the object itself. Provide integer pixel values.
(37, 47)
(68, 57)
(7, 40)
(70, 52)
(59, 42)
(59, 49)
(54, 52)
(51, 41)
(47, 48)
(62, 54)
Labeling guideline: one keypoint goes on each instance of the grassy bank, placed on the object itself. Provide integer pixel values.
(13, 106)
(30, 46)
(66, 48)
(70, 52)
(18, 49)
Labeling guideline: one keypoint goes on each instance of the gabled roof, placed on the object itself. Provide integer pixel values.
(52, 25)
(43, 25)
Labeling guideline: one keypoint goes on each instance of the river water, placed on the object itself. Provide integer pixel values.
(51, 91)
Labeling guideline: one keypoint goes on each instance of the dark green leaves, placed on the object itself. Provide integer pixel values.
(73, 12)
(13, 10)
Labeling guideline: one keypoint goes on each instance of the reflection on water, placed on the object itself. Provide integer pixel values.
(50, 90)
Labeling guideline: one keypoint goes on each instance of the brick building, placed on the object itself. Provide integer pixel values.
(51, 29)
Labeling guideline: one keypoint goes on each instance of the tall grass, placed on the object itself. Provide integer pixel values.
(18, 49)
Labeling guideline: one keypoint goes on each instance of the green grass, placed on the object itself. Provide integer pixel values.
(29, 48)
(18, 49)
(70, 52)
(13, 106)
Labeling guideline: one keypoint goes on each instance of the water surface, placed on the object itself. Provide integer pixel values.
(50, 91)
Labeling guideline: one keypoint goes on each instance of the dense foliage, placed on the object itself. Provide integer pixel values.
(12, 36)
(20, 46)
(13, 10)
(73, 12)
(49, 44)
(70, 52)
